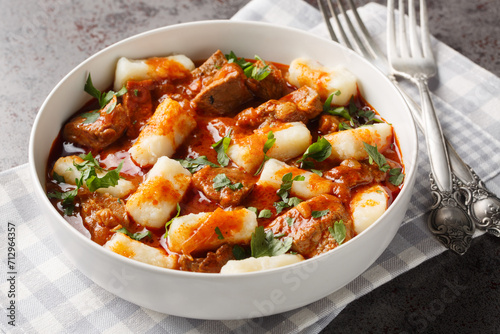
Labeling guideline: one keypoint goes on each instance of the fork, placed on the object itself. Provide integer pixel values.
(448, 220)
(482, 205)
(369, 50)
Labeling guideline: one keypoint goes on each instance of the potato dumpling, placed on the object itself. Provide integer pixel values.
(348, 144)
(64, 166)
(367, 206)
(259, 264)
(155, 201)
(166, 130)
(313, 184)
(209, 230)
(306, 72)
(136, 250)
(178, 66)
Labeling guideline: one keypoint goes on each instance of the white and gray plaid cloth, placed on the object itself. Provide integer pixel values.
(53, 296)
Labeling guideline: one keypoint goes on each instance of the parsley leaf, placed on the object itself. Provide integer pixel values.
(253, 209)
(319, 214)
(221, 148)
(338, 231)
(136, 236)
(343, 126)
(289, 221)
(377, 157)
(356, 116)
(219, 233)
(90, 117)
(319, 151)
(194, 165)
(264, 243)
(249, 68)
(286, 184)
(266, 213)
(317, 172)
(89, 168)
(58, 178)
(102, 98)
(167, 224)
(222, 181)
(284, 191)
(239, 252)
(396, 177)
(68, 198)
(267, 145)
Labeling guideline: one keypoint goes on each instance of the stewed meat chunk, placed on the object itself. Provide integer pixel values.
(350, 174)
(300, 105)
(310, 235)
(138, 104)
(211, 66)
(100, 213)
(101, 132)
(273, 86)
(227, 186)
(212, 263)
(226, 92)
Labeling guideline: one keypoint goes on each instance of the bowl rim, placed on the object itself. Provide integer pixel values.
(43, 199)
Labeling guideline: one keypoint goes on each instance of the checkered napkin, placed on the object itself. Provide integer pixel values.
(52, 296)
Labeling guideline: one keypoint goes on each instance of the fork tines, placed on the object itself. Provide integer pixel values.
(360, 39)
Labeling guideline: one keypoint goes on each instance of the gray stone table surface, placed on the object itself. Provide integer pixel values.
(41, 41)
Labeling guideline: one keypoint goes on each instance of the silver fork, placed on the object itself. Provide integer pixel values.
(448, 219)
(483, 206)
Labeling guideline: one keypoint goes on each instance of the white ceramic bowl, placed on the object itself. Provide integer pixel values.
(213, 296)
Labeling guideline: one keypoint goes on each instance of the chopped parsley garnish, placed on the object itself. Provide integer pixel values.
(267, 145)
(88, 168)
(102, 98)
(343, 126)
(253, 209)
(319, 214)
(136, 236)
(58, 178)
(222, 181)
(266, 213)
(284, 191)
(317, 172)
(249, 68)
(286, 184)
(68, 198)
(219, 233)
(194, 165)
(167, 224)
(239, 252)
(90, 117)
(265, 243)
(338, 231)
(289, 221)
(319, 151)
(395, 175)
(352, 113)
(221, 148)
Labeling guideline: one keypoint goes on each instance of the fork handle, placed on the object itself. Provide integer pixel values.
(436, 147)
(458, 166)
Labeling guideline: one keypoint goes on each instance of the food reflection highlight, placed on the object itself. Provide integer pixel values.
(226, 165)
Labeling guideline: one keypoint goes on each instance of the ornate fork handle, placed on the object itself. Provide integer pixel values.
(481, 204)
(448, 220)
